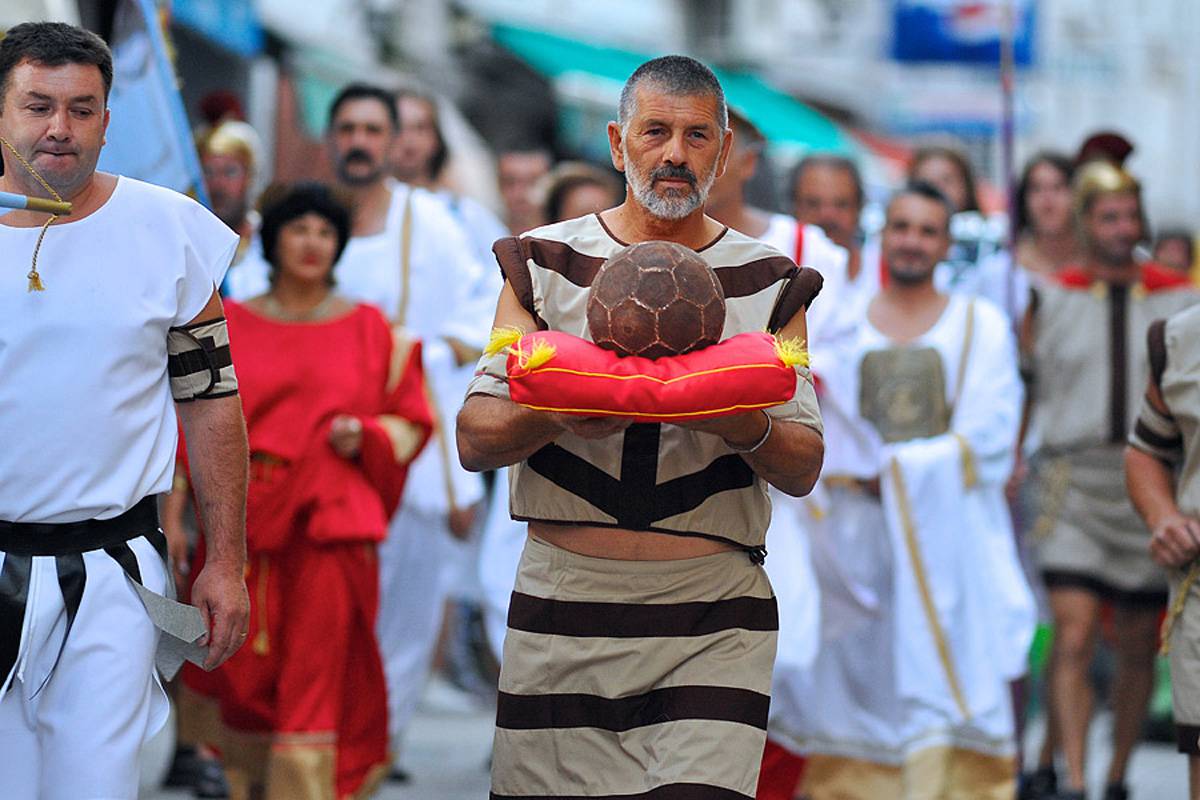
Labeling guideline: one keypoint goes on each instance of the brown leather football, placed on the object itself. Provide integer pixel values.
(655, 299)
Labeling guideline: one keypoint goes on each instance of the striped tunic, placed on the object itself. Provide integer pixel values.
(1174, 438)
(639, 679)
(652, 477)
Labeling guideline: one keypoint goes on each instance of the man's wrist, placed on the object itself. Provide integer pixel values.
(746, 444)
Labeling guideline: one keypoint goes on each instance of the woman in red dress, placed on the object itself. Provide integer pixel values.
(335, 410)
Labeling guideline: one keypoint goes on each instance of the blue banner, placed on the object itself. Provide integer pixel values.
(148, 136)
(233, 24)
(960, 31)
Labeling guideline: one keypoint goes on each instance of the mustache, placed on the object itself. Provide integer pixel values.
(670, 172)
(357, 154)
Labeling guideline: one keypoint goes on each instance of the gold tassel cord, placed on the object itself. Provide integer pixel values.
(540, 353)
(792, 352)
(1168, 624)
(35, 279)
(501, 339)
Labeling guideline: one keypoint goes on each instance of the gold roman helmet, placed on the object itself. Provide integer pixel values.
(1101, 177)
(231, 138)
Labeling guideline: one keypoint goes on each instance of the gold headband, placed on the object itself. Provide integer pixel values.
(231, 138)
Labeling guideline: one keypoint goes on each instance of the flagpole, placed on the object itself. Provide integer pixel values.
(1007, 136)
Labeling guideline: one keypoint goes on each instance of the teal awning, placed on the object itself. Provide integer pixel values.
(784, 120)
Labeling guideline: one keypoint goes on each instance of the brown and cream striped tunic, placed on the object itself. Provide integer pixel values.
(639, 680)
(652, 477)
(1174, 438)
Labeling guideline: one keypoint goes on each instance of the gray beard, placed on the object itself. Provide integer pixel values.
(669, 207)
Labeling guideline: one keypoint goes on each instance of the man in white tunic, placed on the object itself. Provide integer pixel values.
(120, 315)
(925, 628)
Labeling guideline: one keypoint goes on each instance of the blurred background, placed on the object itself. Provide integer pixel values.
(868, 78)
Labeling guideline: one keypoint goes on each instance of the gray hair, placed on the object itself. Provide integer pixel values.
(679, 75)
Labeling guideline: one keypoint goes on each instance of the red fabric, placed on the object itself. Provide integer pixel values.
(1157, 278)
(294, 379)
(311, 663)
(1154, 277)
(741, 373)
(798, 256)
(781, 772)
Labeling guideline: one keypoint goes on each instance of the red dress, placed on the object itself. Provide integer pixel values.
(304, 703)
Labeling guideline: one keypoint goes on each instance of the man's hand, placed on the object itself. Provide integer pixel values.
(461, 521)
(1175, 541)
(346, 435)
(220, 593)
(738, 430)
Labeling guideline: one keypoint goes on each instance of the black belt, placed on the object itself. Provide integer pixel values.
(66, 542)
(67, 538)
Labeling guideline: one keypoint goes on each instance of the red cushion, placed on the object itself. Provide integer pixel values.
(740, 374)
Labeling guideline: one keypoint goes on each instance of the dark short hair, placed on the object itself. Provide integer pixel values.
(1178, 234)
(678, 75)
(1059, 161)
(366, 91)
(959, 160)
(927, 191)
(830, 161)
(289, 203)
(569, 176)
(442, 153)
(53, 44)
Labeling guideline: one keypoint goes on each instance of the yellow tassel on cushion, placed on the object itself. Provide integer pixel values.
(791, 352)
(529, 360)
(502, 339)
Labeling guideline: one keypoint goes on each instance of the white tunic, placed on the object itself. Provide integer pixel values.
(879, 689)
(86, 416)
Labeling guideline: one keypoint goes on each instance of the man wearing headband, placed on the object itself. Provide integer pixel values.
(229, 154)
(120, 319)
(1085, 341)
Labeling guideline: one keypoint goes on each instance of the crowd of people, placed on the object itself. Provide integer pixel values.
(1002, 429)
(936, 413)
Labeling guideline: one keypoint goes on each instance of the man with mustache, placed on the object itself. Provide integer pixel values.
(120, 316)
(1085, 336)
(642, 626)
(410, 256)
(924, 626)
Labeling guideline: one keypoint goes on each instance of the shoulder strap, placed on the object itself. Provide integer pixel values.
(801, 288)
(406, 223)
(965, 356)
(798, 256)
(1156, 344)
(510, 255)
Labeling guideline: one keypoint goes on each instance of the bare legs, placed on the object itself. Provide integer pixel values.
(1071, 699)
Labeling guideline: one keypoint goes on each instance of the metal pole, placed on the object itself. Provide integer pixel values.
(1008, 134)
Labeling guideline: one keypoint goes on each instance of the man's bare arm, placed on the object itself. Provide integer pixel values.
(790, 458)
(1175, 538)
(494, 432)
(218, 455)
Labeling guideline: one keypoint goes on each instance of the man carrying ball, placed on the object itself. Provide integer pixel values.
(642, 626)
